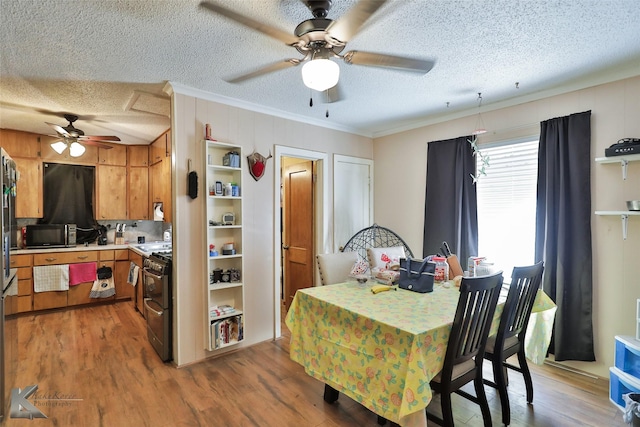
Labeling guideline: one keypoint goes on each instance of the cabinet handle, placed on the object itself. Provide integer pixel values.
(50, 259)
(13, 262)
(83, 256)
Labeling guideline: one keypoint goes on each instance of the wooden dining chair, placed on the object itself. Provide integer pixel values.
(463, 358)
(525, 282)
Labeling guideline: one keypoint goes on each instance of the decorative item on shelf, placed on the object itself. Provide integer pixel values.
(212, 250)
(234, 274)
(231, 159)
(228, 249)
(257, 164)
(218, 188)
(228, 218)
(207, 133)
(216, 275)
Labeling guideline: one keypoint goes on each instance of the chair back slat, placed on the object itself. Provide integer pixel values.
(472, 321)
(525, 283)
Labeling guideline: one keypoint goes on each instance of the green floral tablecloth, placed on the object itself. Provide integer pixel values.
(379, 349)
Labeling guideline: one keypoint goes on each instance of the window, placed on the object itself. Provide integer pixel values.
(507, 204)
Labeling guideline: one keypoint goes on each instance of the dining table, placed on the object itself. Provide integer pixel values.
(382, 349)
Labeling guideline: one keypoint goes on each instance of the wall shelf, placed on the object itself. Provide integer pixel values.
(624, 215)
(623, 160)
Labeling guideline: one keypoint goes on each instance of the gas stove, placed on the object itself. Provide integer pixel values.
(159, 262)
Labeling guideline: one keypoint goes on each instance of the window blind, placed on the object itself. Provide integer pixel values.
(507, 204)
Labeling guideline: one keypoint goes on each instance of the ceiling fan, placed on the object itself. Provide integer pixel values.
(320, 40)
(73, 138)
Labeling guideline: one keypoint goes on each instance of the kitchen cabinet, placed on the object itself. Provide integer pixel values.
(114, 156)
(111, 195)
(160, 175)
(160, 148)
(138, 193)
(20, 144)
(25, 282)
(29, 188)
(138, 155)
(160, 187)
(224, 225)
(58, 299)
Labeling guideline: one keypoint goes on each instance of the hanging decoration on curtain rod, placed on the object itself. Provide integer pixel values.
(479, 129)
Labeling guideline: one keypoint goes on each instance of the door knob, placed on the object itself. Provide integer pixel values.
(285, 247)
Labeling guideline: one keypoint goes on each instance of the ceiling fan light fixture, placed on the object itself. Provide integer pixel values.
(320, 74)
(59, 146)
(76, 149)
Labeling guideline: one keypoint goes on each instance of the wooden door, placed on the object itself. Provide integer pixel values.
(298, 266)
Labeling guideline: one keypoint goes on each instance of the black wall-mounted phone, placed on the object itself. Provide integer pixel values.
(623, 146)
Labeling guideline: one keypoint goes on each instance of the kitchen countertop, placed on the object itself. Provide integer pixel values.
(90, 247)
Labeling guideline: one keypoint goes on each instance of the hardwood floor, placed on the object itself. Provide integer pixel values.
(94, 367)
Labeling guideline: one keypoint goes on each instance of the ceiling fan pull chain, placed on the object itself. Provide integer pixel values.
(310, 101)
(327, 113)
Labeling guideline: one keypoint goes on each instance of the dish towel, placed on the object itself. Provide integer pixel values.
(133, 274)
(51, 278)
(80, 273)
(103, 288)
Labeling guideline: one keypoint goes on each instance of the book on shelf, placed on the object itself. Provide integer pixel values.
(220, 310)
(226, 331)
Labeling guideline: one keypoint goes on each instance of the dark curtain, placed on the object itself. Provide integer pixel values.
(450, 212)
(563, 231)
(68, 198)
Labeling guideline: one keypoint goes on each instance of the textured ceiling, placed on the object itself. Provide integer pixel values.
(108, 61)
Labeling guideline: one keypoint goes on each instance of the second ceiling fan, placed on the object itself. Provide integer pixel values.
(320, 40)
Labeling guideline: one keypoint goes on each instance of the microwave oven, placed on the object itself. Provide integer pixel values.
(50, 235)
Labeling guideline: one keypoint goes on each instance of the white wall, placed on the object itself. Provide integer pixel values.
(253, 131)
(400, 175)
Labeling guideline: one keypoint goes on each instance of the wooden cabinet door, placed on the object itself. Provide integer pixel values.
(121, 275)
(158, 149)
(112, 192)
(138, 155)
(115, 156)
(20, 144)
(29, 188)
(138, 193)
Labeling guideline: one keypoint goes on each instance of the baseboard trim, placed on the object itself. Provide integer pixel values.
(572, 370)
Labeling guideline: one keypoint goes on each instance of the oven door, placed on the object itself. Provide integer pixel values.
(158, 328)
(154, 287)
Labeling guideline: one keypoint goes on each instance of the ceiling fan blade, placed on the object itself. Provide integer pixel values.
(269, 30)
(62, 131)
(98, 138)
(95, 143)
(345, 27)
(276, 66)
(400, 63)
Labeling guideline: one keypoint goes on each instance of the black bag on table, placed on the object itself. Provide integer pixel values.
(416, 275)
